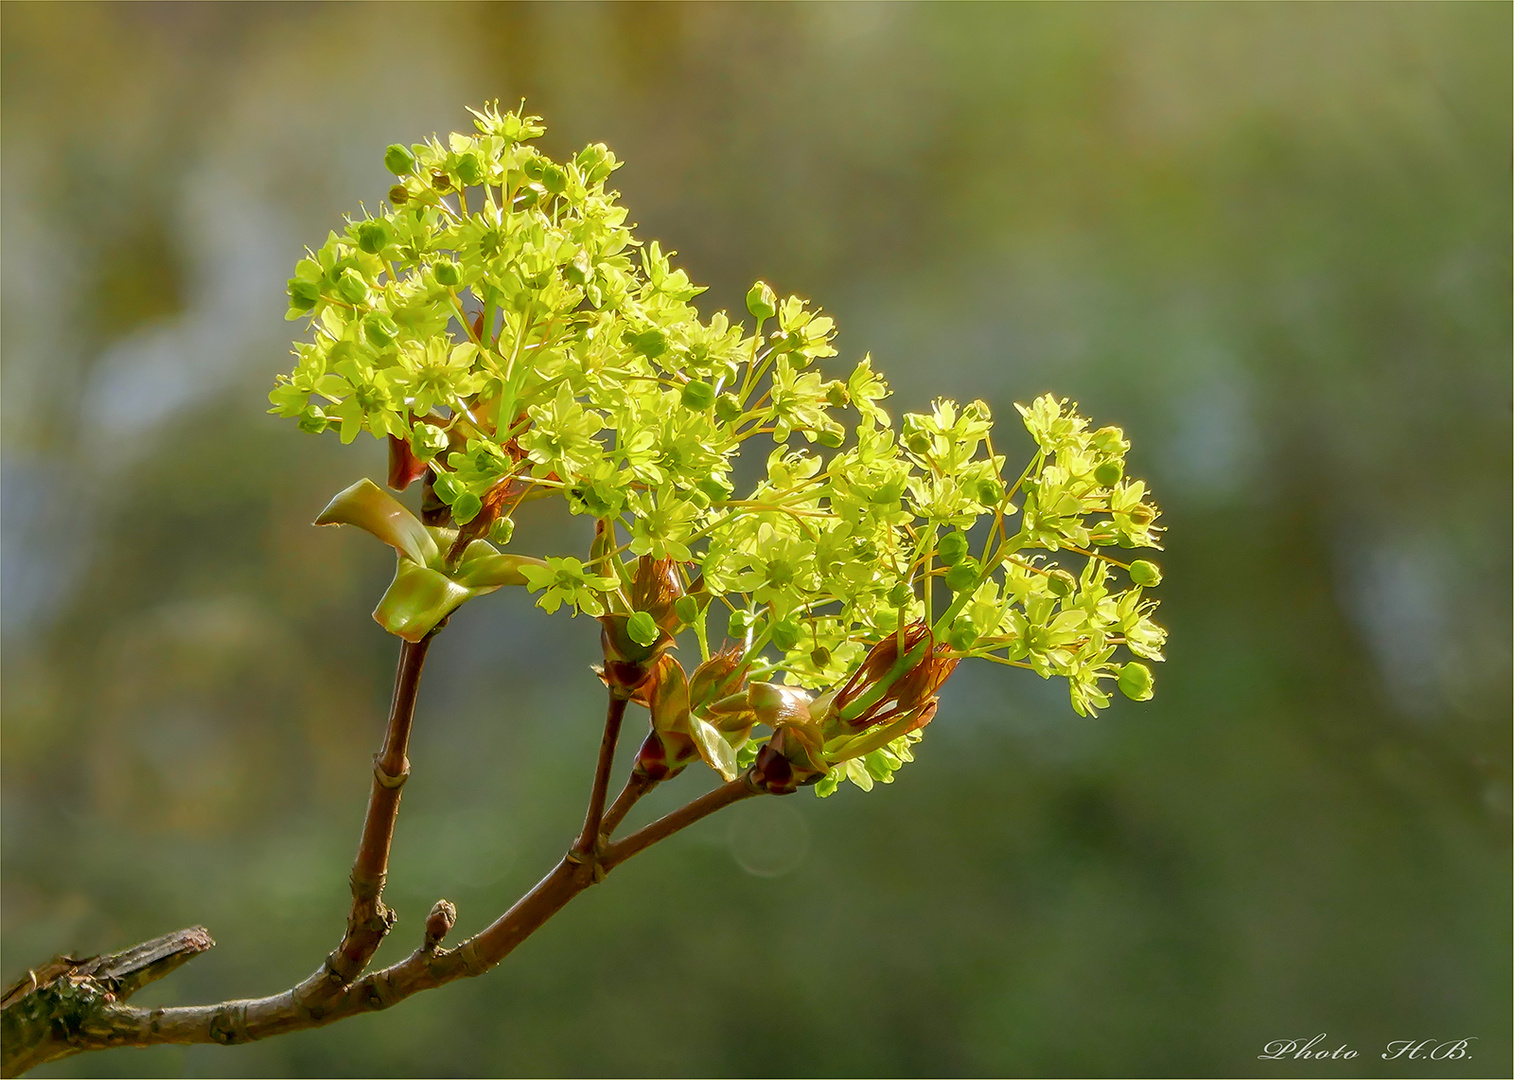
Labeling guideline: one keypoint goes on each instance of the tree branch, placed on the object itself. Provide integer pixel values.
(587, 843)
(94, 1018)
(637, 785)
(369, 920)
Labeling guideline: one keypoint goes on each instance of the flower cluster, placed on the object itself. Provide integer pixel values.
(501, 327)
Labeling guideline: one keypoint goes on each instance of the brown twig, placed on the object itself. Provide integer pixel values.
(101, 1024)
(721, 797)
(587, 843)
(637, 785)
(369, 919)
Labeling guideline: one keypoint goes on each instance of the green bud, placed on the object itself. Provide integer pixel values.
(917, 442)
(466, 507)
(1109, 440)
(399, 161)
(761, 301)
(426, 441)
(728, 409)
(717, 489)
(352, 288)
(372, 236)
(1142, 514)
(990, 492)
(952, 548)
(686, 609)
(398, 195)
(1061, 583)
(831, 439)
(740, 623)
(786, 634)
(502, 530)
(313, 420)
(900, 594)
(835, 394)
(1145, 573)
(554, 179)
(440, 180)
(1108, 473)
(1135, 681)
(698, 395)
(469, 171)
(533, 167)
(963, 635)
(380, 330)
(303, 294)
(643, 628)
(820, 656)
(447, 273)
(963, 576)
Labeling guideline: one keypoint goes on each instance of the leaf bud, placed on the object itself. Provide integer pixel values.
(761, 301)
(372, 236)
(698, 395)
(643, 628)
(900, 594)
(963, 576)
(1061, 583)
(439, 923)
(1108, 473)
(447, 273)
(952, 548)
(728, 408)
(352, 288)
(1145, 573)
(398, 160)
(303, 294)
(501, 530)
(398, 195)
(1135, 681)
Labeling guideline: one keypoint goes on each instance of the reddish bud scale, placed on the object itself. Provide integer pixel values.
(404, 467)
(655, 588)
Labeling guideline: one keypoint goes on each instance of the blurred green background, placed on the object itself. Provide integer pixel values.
(1272, 242)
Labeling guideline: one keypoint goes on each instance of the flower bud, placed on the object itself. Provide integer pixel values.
(380, 330)
(831, 438)
(820, 656)
(427, 440)
(440, 180)
(466, 507)
(1135, 681)
(718, 677)
(642, 628)
(352, 288)
(469, 171)
(715, 487)
(447, 273)
(963, 576)
(501, 530)
(398, 195)
(372, 236)
(1108, 473)
(740, 622)
(728, 408)
(952, 548)
(698, 395)
(399, 160)
(554, 179)
(1061, 583)
(785, 634)
(963, 635)
(313, 420)
(990, 492)
(761, 301)
(686, 609)
(1145, 573)
(792, 758)
(303, 294)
